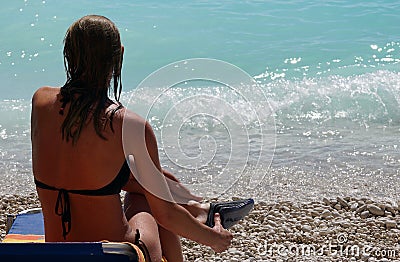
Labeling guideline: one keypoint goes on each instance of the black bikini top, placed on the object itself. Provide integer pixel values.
(63, 208)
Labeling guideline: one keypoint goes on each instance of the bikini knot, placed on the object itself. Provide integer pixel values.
(63, 209)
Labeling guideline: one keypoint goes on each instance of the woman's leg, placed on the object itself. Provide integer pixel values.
(158, 240)
(139, 217)
(171, 245)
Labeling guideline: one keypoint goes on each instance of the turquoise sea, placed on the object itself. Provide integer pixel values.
(327, 122)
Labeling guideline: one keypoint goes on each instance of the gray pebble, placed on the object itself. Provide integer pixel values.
(342, 202)
(375, 210)
(354, 206)
(306, 228)
(326, 201)
(314, 213)
(389, 224)
(390, 209)
(361, 209)
(326, 213)
(364, 214)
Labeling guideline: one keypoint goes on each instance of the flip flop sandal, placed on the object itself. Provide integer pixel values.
(231, 212)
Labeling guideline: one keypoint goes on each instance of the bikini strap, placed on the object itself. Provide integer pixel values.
(63, 209)
(138, 242)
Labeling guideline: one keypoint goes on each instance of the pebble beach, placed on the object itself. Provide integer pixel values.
(330, 229)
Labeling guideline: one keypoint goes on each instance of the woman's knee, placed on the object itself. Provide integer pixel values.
(135, 203)
(147, 226)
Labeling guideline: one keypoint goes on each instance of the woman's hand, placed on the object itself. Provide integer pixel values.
(225, 237)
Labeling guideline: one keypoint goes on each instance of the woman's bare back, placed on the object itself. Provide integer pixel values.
(89, 164)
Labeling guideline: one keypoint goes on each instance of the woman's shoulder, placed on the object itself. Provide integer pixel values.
(133, 118)
(45, 95)
(132, 122)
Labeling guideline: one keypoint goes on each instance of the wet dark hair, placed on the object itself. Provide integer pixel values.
(92, 58)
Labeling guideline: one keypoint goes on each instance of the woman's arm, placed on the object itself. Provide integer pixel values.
(142, 144)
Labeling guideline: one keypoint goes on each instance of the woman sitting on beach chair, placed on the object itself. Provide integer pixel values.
(81, 163)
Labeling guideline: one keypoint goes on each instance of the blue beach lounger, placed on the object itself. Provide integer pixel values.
(25, 242)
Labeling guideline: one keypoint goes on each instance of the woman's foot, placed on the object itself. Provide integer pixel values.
(198, 210)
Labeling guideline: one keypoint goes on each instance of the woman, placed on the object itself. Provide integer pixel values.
(81, 163)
